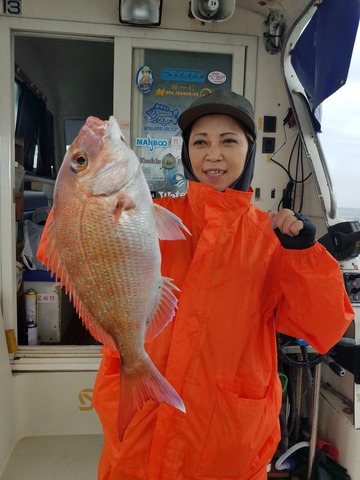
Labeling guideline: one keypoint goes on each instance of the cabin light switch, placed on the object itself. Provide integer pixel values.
(268, 145)
(269, 124)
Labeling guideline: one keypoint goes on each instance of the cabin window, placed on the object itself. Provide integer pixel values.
(60, 82)
(35, 125)
(165, 83)
(72, 128)
(17, 91)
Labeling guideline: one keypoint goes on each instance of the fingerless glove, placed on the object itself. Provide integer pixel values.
(305, 239)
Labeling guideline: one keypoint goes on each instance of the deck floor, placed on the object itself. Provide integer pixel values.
(64, 457)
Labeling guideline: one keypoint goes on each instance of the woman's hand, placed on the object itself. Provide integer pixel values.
(286, 221)
(294, 230)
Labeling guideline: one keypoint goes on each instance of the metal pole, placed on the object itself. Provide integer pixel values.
(315, 417)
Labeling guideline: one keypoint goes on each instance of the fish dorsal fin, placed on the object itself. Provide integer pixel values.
(169, 226)
(164, 312)
(49, 255)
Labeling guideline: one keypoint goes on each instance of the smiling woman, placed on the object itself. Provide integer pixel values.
(218, 147)
(223, 120)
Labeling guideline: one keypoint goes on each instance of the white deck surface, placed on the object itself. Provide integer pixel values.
(65, 457)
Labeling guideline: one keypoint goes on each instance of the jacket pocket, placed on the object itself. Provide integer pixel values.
(240, 435)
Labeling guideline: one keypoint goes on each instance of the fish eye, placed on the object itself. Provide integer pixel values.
(79, 162)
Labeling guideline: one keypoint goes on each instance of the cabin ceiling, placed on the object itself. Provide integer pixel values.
(289, 8)
(76, 76)
(73, 72)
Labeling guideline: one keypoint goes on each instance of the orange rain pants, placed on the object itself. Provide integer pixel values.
(219, 352)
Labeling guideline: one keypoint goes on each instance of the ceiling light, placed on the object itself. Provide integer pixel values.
(146, 13)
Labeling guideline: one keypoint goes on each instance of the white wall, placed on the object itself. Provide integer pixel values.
(7, 411)
(54, 403)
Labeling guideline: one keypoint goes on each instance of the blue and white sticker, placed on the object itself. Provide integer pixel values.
(151, 142)
(178, 180)
(183, 75)
(144, 79)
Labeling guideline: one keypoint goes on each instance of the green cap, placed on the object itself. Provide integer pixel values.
(222, 102)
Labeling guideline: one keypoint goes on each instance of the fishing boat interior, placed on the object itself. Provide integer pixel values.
(145, 62)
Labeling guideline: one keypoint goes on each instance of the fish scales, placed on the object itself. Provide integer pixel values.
(127, 289)
(101, 241)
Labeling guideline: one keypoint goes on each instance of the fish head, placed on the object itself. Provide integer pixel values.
(98, 162)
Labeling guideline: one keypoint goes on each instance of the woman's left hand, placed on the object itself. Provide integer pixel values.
(286, 221)
(294, 230)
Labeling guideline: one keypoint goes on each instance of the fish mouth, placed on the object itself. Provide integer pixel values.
(113, 131)
(120, 170)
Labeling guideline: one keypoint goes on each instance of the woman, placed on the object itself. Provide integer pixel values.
(242, 277)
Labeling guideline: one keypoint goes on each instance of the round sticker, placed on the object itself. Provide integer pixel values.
(144, 79)
(216, 77)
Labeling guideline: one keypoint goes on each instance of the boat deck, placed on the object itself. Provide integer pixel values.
(64, 457)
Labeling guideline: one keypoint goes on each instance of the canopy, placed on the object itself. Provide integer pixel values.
(321, 57)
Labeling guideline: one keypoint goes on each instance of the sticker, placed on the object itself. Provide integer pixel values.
(151, 142)
(144, 79)
(178, 180)
(205, 91)
(47, 298)
(168, 161)
(154, 128)
(162, 194)
(216, 77)
(85, 398)
(161, 114)
(153, 173)
(182, 75)
(176, 144)
(162, 92)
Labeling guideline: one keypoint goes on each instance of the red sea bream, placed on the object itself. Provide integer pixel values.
(101, 241)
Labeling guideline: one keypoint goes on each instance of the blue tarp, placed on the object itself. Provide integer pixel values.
(321, 57)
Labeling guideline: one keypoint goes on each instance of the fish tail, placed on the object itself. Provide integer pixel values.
(136, 389)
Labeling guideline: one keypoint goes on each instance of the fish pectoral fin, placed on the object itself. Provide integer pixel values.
(164, 312)
(169, 226)
(123, 203)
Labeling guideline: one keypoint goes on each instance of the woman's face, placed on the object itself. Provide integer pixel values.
(217, 150)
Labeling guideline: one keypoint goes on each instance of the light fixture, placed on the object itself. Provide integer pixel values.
(212, 10)
(145, 13)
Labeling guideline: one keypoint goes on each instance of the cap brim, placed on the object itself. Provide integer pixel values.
(189, 116)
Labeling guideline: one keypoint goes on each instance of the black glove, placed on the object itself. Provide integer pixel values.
(305, 239)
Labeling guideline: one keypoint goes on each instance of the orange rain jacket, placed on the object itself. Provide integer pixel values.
(219, 353)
